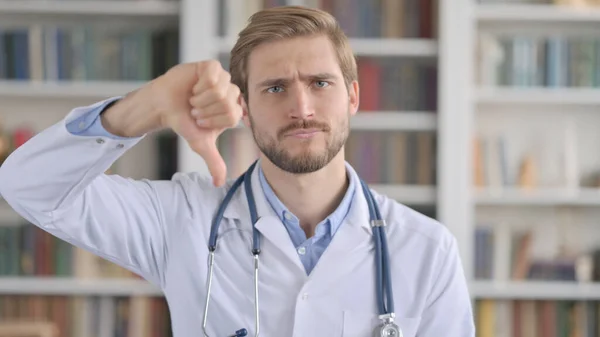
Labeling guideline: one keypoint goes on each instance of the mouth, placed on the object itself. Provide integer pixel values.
(303, 133)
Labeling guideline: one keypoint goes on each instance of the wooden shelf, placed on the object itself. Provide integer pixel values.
(394, 121)
(539, 96)
(91, 7)
(536, 13)
(374, 47)
(551, 290)
(394, 47)
(87, 90)
(71, 286)
(538, 197)
(408, 194)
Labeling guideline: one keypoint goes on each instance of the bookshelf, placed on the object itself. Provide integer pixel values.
(462, 103)
(532, 193)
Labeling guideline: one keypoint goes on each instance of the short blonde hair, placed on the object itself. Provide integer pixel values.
(286, 22)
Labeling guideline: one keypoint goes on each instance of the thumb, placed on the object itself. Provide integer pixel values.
(216, 164)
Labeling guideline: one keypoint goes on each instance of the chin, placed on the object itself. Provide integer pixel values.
(305, 150)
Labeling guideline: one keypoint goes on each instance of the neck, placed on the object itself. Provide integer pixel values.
(311, 197)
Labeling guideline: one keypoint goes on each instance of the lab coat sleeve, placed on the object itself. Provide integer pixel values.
(448, 310)
(57, 182)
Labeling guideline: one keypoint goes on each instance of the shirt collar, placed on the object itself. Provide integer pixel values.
(335, 219)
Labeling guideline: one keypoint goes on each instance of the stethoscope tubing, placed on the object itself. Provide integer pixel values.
(383, 280)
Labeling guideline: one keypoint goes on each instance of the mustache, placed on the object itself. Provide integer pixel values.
(304, 124)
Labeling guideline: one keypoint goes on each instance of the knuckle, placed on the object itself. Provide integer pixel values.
(226, 76)
(211, 70)
(211, 81)
(233, 114)
(209, 64)
(201, 119)
(220, 95)
(235, 90)
(230, 123)
(213, 63)
(206, 123)
(194, 100)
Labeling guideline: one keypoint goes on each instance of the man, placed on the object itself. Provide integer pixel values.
(294, 83)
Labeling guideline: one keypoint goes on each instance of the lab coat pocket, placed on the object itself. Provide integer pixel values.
(367, 324)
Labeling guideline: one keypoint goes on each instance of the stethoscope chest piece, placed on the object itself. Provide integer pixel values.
(388, 330)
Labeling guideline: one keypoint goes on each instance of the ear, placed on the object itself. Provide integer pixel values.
(244, 106)
(354, 97)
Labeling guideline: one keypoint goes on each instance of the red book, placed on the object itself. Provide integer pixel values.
(22, 135)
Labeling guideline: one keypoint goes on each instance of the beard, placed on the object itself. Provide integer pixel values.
(309, 160)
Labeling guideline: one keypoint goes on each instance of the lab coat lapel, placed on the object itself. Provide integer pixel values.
(269, 225)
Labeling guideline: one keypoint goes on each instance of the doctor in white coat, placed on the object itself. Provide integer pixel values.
(293, 81)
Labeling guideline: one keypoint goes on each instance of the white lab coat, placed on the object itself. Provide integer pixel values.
(159, 229)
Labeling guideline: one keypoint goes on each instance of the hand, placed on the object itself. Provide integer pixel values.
(200, 104)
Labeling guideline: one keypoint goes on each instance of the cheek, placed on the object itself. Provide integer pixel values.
(333, 110)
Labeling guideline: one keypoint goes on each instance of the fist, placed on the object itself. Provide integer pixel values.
(199, 102)
(215, 99)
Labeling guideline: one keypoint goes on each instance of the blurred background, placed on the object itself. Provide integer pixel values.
(484, 115)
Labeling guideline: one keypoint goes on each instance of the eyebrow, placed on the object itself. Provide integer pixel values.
(281, 81)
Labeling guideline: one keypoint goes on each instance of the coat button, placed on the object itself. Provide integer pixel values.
(120, 146)
(100, 141)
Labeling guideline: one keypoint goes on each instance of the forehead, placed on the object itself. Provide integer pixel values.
(290, 57)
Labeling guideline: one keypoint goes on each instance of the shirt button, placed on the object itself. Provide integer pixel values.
(100, 141)
(305, 296)
(287, 216)
(301, 250)
(81, 125)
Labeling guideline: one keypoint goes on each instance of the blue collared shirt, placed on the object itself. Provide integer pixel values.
(309, 249)
(89, 124)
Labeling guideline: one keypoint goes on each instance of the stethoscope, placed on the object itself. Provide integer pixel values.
(384, 292)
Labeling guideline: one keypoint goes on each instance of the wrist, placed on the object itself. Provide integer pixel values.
(131, 116)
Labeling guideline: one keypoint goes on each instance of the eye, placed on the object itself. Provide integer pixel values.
(275, 89)
(322, 84)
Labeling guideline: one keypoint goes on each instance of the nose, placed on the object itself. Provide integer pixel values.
(300, 103)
